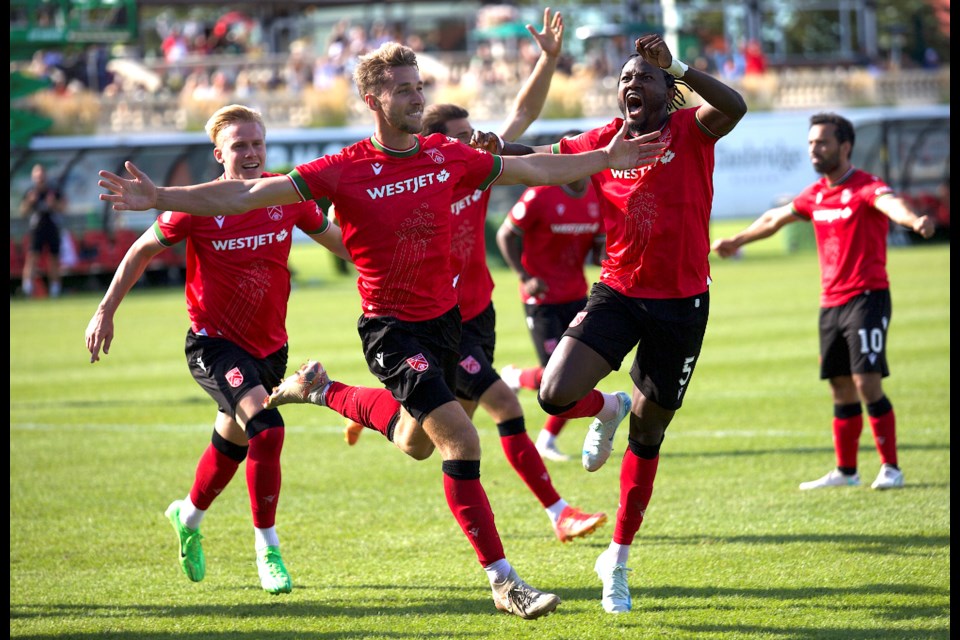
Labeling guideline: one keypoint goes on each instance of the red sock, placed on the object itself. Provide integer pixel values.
(263, 476)
(885, 436)
(214, 473)
(846, 439)
(586, 407)
(373, 408)
(530, 378)
(636, 487)
(554, 424)
(526, 461)
(468, 503)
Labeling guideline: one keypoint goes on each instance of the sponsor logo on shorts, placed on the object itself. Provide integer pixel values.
(234, 377)
(578, 318)
(418, 363)
(470, 365)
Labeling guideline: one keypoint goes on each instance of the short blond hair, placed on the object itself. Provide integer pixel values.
(371, 73)
(230, 115)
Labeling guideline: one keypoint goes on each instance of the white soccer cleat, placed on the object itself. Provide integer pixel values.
(511, 375)
(889, 478)
(598, 445)
(833, 479)
(550, 452)
(616, 592)
(310, 377)
(515, 596)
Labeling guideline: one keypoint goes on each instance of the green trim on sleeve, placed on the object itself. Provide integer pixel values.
(159, 234)
(494, 173)
(323, 228)
(300, 185)
(555, 148)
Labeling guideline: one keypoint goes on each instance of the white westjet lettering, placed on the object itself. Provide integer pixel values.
(830, 215)
(630, 174)
(412, 185)
(465, 202)
(249, 242)
(575, 228)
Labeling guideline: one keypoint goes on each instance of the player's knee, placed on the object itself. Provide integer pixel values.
(262, 421)
(236, 452)
(550, 407)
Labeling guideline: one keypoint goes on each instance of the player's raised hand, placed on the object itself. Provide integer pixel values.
(550, 37)
(624, 153)
(489, 142)
(654, 50)
(138, 194)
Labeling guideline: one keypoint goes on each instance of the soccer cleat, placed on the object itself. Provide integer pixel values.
(351, 433)
(833, 479)
(598, 445)
(273, 574)
(616, 593)
(515, 596)
(550, 452)
(889, 478)
(190, 550)
(574, 523)
(296, 388)
(511, 375)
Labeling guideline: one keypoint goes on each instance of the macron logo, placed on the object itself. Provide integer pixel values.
(377, 168)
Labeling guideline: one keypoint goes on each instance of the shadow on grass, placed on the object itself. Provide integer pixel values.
(936, 446)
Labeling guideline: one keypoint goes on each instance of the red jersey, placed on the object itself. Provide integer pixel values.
(657, 217)
(558, 230)
(238, 282)
(394, 208)
(469, 249)
(851, 234)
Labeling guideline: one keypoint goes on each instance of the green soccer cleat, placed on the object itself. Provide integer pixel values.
(274, 576)
(189, 549)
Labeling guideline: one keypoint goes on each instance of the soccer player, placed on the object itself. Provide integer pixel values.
(653, 291)
(851, 212)
(237, 288)
(393, 193)
(546, 239)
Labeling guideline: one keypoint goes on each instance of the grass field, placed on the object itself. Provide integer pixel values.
(730, 548)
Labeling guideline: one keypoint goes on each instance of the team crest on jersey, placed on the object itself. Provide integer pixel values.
(418, 363)
(435, 155)
(470, 365)
(234, 377)
(845, 196)
(275, 212)
(578, 318)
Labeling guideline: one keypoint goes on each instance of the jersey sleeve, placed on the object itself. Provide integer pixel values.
(311, 219)
(172, 227)
(318, 178)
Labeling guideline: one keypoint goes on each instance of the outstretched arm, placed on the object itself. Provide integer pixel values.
(897, 210)
(533, 93)
(764, 226)
(724, 107)
(216, 198)
(99, 332)
(546, 168)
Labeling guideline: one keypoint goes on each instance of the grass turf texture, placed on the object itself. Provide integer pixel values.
(730, 547)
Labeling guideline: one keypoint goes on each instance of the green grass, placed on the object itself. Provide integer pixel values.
(730, 548)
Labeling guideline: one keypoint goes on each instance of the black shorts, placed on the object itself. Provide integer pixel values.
(416, 361)
(46, 234)
(668, 335)
(227, 372)
(547, 322)
(476, 373)
(853, 336)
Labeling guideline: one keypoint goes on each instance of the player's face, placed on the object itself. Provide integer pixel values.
(460, 129)
(402, 99)
(824, 148)
(642, 96)
(242, 151)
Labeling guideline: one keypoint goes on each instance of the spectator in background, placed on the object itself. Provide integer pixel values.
(754, 61)
(44, 204)
(851, 212)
